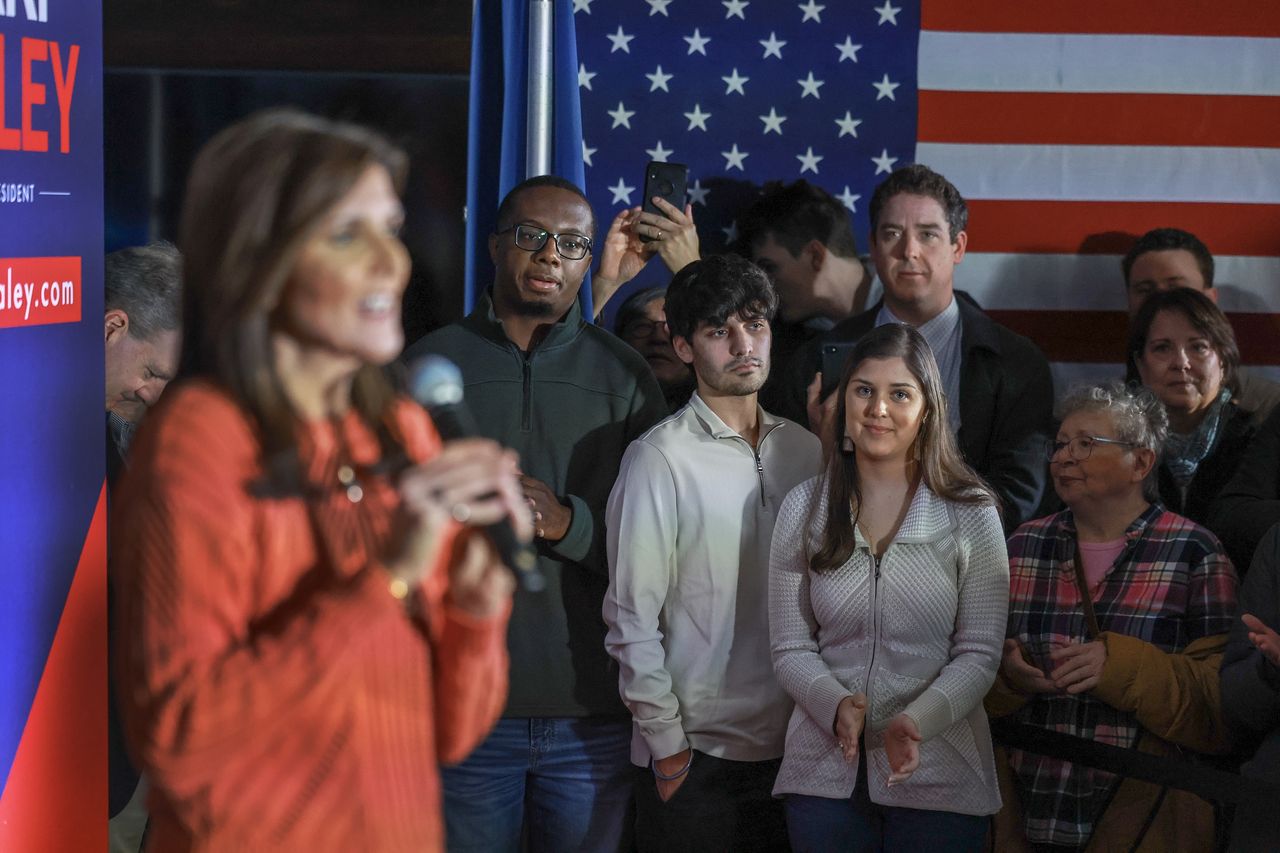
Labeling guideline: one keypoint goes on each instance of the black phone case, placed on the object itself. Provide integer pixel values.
(669, 181)
(834, 357)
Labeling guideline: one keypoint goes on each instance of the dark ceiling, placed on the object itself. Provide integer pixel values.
(388, 36)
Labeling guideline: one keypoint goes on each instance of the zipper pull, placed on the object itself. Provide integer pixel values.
(876, 560)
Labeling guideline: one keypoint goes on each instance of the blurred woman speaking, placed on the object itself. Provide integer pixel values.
(309, 627)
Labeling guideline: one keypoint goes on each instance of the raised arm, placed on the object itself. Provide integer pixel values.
(673, 237)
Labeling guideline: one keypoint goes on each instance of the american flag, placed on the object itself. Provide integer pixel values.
(1071, 128)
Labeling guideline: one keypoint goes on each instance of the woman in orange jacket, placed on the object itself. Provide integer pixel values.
(309, 625)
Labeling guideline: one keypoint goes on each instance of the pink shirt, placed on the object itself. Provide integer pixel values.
(1098, 558)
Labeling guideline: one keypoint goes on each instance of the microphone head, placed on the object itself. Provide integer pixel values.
(435, 381)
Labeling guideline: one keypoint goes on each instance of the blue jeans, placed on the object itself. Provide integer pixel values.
(542, 784)
(828, 825)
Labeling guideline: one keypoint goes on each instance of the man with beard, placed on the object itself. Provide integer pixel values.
(568, 397)
(690, 521)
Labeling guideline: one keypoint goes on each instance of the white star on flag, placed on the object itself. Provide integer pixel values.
(658, 153)
(848, 125)
(884, 89)
(848, 50)
(773, 122)
(658, 80)
(621, 116)
(809, 161)
(697, 118)
(697, 42)
(888, 13)
(850, 200)
(698, 194)
(656, 6)
(809, 86)
(733, 159)
(811, 11)
(772, 47)
(734, 83)
(582, 6)
(735, 7)
(730, 233)
(884, 163)
(620, 41)
(621, 193)
(584, 76)
(587, 152)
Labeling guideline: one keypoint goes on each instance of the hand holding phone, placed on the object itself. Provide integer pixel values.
(668, 181)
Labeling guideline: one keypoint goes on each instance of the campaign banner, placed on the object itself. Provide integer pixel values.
(52, 504)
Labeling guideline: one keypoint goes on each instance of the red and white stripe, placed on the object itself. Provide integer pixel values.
(1072, 128)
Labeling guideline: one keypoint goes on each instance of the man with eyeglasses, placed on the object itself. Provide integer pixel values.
(569, 397)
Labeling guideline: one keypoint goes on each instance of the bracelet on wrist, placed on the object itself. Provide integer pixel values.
(653, 765)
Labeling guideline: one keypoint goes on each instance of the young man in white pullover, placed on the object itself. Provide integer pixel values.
(689, 524)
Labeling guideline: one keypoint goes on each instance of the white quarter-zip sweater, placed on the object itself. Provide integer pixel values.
(689, 525)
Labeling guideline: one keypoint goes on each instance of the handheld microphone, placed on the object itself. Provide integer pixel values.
(436, 384)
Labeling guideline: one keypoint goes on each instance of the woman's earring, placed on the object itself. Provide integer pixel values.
(846, 445)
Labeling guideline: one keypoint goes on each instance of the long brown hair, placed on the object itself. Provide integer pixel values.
(942, 468)
(256, 193)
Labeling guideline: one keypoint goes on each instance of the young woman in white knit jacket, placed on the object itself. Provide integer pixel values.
(889, 585)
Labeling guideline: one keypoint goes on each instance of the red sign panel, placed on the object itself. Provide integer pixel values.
(39, 291)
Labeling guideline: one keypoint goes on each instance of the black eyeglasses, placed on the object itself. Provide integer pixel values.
(571, 247)
(643, 328)
(1080, 447)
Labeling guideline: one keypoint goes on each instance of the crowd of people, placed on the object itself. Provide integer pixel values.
(774, 617)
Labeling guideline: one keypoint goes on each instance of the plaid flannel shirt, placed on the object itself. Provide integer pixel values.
(1171, 585)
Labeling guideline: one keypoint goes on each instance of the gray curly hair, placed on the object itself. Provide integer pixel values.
(1138, 416)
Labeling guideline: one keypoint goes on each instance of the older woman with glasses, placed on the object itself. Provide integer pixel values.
(1181, 346)
(1118, 613)
(642, 323)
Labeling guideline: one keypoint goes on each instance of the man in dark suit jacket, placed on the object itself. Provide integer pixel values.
(998, 385)
(142, 320)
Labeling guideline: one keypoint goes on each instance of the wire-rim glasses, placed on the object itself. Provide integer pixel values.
(1081, 447)
(571, 247)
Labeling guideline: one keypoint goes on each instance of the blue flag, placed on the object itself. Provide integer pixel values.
(496, 142)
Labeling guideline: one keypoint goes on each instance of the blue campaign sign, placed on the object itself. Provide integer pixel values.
(51, 375)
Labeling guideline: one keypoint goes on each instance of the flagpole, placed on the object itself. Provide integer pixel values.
(539, 110)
